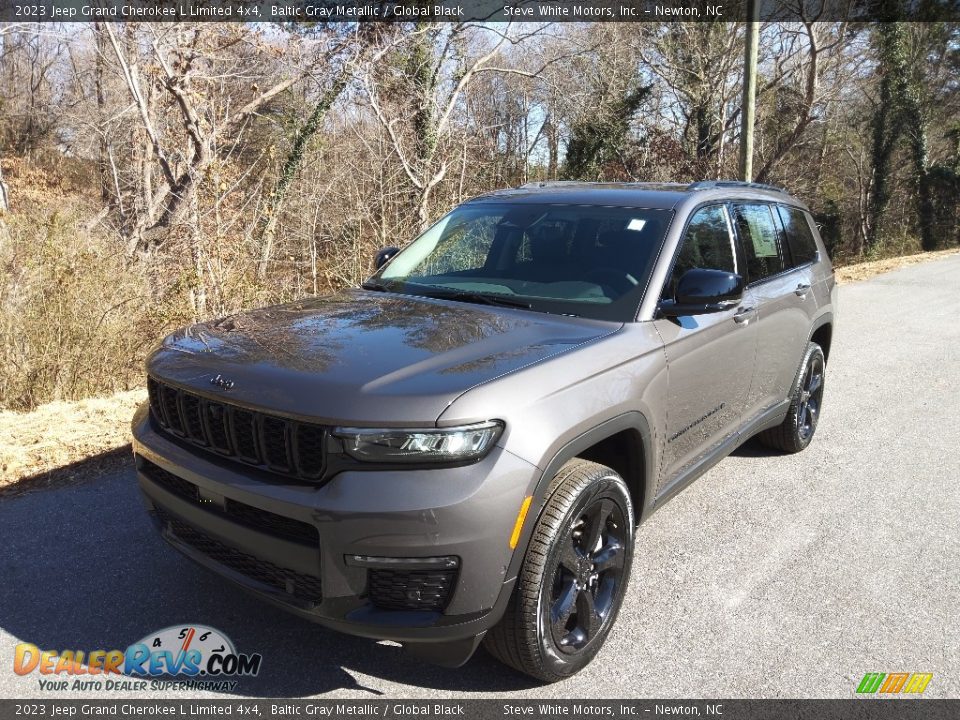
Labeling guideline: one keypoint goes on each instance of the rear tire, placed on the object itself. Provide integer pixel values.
(798, 428)
(573, 578)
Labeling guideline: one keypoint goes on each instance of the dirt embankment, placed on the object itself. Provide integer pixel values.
(68, 441)
(862, 271)
(64, 441)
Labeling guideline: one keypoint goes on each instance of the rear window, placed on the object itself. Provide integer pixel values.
(796, 226)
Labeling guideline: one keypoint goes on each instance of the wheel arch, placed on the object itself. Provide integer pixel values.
(822, 334)
(623, 443)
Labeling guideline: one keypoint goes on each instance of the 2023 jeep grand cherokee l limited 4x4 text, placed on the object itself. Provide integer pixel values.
(461, 449)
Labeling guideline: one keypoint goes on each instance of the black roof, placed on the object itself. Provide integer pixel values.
(646, 195)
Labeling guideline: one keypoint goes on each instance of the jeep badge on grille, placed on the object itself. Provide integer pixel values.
(221, 382)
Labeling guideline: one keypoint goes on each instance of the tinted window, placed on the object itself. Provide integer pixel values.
(464, 246)
(575, 259)
(706, 244)
(803, 247)
(758, 236)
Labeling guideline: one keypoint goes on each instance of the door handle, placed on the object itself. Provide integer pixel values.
(744, 315)
(802, 290)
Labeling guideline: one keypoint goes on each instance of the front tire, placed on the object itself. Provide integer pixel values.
(573, 578)
(797, 429)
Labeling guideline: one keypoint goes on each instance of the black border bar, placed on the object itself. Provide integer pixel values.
(536, 11)
(892, 708)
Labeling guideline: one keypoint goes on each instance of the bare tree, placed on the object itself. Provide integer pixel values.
(184, 65)
(354, 47)
(802, 58)
(439, 63)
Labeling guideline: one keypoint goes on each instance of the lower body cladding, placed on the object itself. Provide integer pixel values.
(416, 556)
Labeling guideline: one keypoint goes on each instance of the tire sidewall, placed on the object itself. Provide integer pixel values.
(554, 661)
(813, 351)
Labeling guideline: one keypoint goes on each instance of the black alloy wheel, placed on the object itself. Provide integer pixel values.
(806, 402)
(587, 577)
(811, 395)
(573, 578)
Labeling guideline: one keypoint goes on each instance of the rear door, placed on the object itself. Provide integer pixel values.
(779, 292)
(709, 357)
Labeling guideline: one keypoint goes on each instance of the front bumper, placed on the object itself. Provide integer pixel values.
(255, 529)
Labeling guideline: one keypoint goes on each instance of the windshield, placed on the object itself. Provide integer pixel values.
(583, 260)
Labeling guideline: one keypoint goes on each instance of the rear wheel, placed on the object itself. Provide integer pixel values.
(797, 429)
(573, 578)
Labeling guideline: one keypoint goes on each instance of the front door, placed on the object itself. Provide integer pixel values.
(709, 357)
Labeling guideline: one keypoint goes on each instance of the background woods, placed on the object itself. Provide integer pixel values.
(152, 175)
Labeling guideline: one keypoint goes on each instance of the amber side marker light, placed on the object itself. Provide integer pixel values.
(518, 525)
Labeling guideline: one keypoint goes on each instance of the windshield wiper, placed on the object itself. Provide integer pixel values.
(375, 285)
(478, 298)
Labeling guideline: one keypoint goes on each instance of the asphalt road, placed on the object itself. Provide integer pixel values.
(771, 576)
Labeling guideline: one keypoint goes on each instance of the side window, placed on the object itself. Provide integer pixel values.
(706, 244)
(796, 226)
(758, 236)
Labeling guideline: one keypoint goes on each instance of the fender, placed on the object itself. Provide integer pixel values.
(633, 420)
(821, 320)
(825, 318)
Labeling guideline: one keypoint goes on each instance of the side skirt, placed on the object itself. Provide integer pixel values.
(767, 419)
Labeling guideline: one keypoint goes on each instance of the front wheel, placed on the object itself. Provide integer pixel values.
(573, 578)
(797, 429)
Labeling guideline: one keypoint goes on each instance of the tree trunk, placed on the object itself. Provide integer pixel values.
(886, 122)
(198, 289)
(291, 166)
(916, 129)
(104, 170)
(4, 197)
(553, 150)
(749, 101)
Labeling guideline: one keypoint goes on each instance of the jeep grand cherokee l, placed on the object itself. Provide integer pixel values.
(461, 449)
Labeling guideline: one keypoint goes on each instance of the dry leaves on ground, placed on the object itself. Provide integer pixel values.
(862, 271)
(48, 445)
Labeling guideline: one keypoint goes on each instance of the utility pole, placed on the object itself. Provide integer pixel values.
(749, 90)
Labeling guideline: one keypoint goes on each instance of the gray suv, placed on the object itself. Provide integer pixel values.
(461, 449)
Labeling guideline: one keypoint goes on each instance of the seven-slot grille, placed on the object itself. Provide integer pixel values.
(277, 444)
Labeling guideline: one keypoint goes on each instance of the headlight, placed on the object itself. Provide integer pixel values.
(467, 442)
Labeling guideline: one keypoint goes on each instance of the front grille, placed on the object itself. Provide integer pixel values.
(410, 589)
(253, 517)
(273, 443)
(301, 586)
(272, 523)
(177, 485)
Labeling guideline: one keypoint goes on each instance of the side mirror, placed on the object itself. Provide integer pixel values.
(701, 291)
(383, 256)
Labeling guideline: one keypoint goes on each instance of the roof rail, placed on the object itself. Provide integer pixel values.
(551, 183)
(710, 184)
(562, 183)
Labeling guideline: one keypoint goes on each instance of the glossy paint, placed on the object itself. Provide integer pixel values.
(689, 389)
(364, 358)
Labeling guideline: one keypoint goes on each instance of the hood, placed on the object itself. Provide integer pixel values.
(363, 357)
